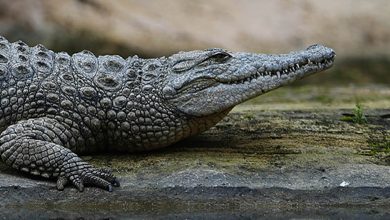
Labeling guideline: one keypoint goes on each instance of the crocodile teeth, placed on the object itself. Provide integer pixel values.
(277, 74)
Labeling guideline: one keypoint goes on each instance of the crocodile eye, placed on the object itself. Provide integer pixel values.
(220, 57)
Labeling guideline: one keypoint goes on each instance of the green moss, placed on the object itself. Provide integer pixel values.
(248, 116)
(380, 150)
(380, 147)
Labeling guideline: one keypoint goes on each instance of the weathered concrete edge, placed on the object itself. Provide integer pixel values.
(44, 193)
(292, 178)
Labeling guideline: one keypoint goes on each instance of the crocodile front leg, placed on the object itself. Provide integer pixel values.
(37, 146)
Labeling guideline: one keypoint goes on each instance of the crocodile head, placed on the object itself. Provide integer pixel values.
(202, 83)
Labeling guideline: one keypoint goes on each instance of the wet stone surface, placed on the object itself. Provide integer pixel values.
(258, 162)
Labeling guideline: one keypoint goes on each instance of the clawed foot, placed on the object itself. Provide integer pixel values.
(85, 174)
(38, 152)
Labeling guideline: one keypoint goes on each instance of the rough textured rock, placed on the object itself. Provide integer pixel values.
(162, 27)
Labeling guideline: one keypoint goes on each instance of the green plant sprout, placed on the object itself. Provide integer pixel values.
(357, 116)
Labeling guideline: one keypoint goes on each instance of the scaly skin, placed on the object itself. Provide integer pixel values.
(54, 105)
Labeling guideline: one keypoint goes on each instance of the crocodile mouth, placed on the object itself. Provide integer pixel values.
(304, 66)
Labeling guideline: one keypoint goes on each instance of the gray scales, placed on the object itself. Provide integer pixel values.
(55, 106)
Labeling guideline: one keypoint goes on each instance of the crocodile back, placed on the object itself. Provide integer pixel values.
(20, 66)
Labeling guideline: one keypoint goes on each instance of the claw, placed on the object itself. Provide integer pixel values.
(79, 186)
(97, 181)
(77, 182)
(115, 182)
(106, 175)
(61, 183)
(82, 173)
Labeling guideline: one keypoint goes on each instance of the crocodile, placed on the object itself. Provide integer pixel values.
(55, 106)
